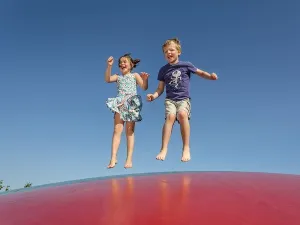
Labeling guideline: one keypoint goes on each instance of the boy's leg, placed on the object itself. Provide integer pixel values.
(118, 128)
(183, 116)
(170, 114)
(130, 143)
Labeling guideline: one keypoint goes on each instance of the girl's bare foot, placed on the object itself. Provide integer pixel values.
(186, 156)
(162, 154)
(128, 164)
(112, 163)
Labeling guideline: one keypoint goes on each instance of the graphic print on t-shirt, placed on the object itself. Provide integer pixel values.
(175, 79)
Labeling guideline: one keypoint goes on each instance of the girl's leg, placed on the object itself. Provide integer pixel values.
(118, 128)
(130, 143)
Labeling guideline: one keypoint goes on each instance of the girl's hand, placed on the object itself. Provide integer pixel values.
(110, 61)
(214, 76)
(144, 75)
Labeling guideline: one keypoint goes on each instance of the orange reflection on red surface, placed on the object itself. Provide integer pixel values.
(121, 207)
(167, 195)
(184, 198)
(164, 192)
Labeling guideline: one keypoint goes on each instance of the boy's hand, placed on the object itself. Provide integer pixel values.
(110, 61)
(144, 75)
(150, 97)
(214, 76)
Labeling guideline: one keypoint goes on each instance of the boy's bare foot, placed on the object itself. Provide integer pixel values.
(186, 155)
(162, 154)
(128, 164)
(112, 163)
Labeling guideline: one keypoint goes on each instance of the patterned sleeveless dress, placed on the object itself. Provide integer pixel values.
(127, 102)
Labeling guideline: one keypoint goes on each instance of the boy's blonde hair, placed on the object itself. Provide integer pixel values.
(175, 41)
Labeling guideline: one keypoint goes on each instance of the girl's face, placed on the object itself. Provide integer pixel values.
(171, 53)
(125, 65)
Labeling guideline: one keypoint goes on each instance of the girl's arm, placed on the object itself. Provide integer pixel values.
(108, 77)
(142, 82)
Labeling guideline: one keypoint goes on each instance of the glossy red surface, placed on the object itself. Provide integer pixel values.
(209, 198)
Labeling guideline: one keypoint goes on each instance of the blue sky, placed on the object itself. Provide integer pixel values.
(54, 122)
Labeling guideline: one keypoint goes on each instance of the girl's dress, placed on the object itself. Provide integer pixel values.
(127, 103)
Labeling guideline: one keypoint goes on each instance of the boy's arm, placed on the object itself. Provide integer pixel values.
(108, 77)
(160, 89)
(206, 75)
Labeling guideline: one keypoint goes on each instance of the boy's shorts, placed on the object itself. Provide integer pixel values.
(173, 107)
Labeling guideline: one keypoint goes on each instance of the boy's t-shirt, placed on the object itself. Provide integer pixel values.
(177, 79)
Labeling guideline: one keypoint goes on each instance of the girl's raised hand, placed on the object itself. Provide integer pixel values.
(144, 75)
(110, 61)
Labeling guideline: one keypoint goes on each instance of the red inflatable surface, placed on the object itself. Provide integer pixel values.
(208, 198)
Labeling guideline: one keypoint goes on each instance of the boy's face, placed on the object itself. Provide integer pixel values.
(125, 65)
(171, 53)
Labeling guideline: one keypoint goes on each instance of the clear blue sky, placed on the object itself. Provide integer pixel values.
(54, 124)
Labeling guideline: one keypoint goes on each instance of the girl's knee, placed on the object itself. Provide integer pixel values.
(130, 128)
(118, 129)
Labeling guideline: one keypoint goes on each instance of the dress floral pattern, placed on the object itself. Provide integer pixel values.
(127, 102)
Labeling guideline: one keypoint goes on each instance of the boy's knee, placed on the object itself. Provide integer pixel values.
(184, 110)
(170, 110)
(182, 115)
(171, 118)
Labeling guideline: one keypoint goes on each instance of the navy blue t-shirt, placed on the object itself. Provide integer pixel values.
(177, 79)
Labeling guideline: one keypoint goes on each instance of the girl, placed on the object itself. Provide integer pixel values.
(127, 105)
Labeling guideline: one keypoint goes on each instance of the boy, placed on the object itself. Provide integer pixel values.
(175, 75)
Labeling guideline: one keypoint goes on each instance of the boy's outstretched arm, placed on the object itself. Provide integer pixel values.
(206, 75)
(160, 89)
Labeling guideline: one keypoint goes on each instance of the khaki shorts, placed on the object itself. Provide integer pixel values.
(173, 107)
